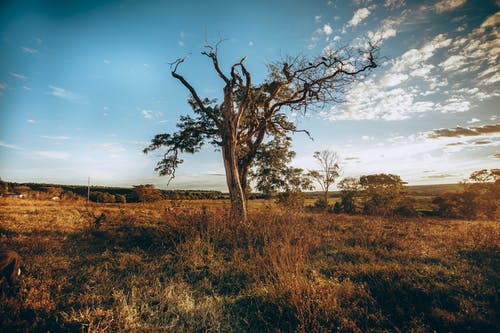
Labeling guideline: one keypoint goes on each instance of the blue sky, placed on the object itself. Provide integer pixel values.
(84, 85)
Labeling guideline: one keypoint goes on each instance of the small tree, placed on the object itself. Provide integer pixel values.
(273, 174)
(384, 193)
(349, 189)
(484, 190)
(146, 193)
(328, 172)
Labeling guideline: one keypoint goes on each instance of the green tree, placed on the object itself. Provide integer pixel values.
(271, 170)
(328, 172)
(251, 114)
(384, 193)
(146, 193)
(349, 189)
(484, 189)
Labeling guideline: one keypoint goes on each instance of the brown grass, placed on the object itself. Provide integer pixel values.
(169, 267)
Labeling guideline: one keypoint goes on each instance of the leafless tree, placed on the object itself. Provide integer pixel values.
(328, 172)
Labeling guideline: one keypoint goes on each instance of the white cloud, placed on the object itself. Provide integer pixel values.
(19, 76)
(453, 63)
(327, 29)
(392, 80)
(151, 114)
(49, 137)
(368, 101)
(454, 104)
(448, 5)
(414, 59)
(358, 16)
(29, 50)
(473, 121)
(109, 147)
(386, 30)
(491, 21)
(6, 145)
(412, 84)
(477, 53)
(31, 121)
(3, 86)
(55, 155)
(394, 4)
(423, 71)
(148, 114)
(62, 93)
(491, 80)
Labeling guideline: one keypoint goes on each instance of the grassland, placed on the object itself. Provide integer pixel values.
(170, 267)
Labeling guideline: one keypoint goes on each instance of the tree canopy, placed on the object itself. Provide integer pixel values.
(251, 114)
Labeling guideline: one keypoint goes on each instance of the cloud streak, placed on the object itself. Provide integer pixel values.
(49, 137)
(18, 76)
(6, 145)
(29, 50)
(62, 93)
(109, 147)
(53, 155)
(464, 131)
(448, 5)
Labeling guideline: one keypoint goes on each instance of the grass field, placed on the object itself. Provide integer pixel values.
(168, 267)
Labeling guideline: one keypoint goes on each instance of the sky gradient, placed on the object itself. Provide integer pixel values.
(84, 85)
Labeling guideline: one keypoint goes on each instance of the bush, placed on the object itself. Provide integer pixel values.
(337, 208)
(320, 204)
(406, 209)
(291, 199)
(469, 204)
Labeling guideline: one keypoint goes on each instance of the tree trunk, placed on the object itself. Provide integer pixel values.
(236, 192)
(326, 199)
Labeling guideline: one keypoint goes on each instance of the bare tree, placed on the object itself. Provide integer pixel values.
(328, 172)
(249, 113)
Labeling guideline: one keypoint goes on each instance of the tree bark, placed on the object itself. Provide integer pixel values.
(236, 191)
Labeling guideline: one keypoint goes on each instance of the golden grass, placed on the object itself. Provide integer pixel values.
(182, 267)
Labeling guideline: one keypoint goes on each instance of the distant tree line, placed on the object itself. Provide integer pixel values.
(377, 194)
(139, 193)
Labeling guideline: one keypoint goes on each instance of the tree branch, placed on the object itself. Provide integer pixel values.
(212, 54)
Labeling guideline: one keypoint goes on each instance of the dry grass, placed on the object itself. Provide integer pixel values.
(183, 268)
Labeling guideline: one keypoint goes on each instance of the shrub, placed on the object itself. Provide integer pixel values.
(349, 188)
(291, 199)
(320, 204)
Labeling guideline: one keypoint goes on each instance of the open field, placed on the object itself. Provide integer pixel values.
(165, 267)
